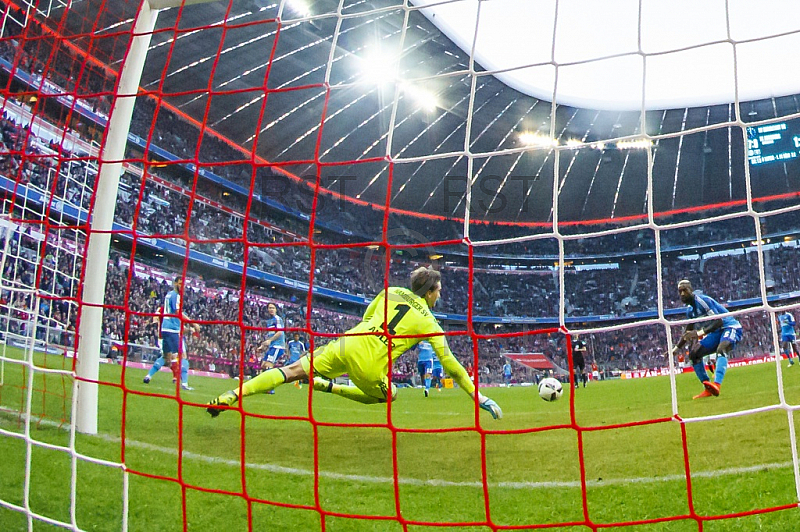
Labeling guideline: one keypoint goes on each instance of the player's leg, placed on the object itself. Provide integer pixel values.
(326, 362)
(698, 358)
(728, 340)
(262, 383)
(789, 349)
(422, 371)
(367, 370)
(185, 373)
(175, 366)
(155, 368)
(170, 347)
(795, 353)
(274, 354)
(428, 378)
(368, 392)
(299, 382)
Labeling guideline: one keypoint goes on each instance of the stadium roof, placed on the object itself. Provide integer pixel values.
(387, 85)
(628, 54)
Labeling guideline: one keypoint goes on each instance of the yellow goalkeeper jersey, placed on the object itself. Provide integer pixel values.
(400, 312)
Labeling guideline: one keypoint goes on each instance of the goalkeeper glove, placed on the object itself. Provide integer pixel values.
(490, 406)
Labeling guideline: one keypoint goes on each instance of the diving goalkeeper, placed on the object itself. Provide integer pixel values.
(363, 351)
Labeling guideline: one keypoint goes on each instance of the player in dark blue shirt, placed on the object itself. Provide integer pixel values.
(715, 337)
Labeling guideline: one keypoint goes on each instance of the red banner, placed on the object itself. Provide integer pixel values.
(532, 360)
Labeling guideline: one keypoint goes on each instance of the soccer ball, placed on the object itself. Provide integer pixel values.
(550, 389)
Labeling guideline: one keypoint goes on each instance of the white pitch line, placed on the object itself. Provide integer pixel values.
(273, 468)
(368, 479)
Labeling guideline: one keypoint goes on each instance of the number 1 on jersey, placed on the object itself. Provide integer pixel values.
(402, 310)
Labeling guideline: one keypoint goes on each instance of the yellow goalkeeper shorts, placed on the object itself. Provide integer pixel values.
(363, 358)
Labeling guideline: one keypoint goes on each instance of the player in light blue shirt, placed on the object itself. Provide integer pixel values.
(275, 344)
(296, 349)
(507, 373)
(437, 374)
(425, 364)
(172, 351)
(716, 337)
(788, 337)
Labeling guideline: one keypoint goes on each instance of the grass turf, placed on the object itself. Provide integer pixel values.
(247, 468)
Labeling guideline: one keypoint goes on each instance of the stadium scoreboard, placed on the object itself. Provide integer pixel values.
(772, 143)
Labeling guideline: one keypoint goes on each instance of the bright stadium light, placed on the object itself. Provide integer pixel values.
(377, 68)
(425, 99)
(537, 139)
(299, 7)
(638, 144)
(574, 143)
(682, 53)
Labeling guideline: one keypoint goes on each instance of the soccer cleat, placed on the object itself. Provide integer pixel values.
(186, 387)
(174, 380)
(298, 385)
(228, 398)
(704, 393)
(146, 379)
(426, 392)
(712, 388)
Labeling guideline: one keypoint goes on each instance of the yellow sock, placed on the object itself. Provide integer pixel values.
(269, 380)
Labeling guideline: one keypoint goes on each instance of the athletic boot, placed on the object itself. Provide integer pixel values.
(711, 390)
(228, 398)
(704, 393)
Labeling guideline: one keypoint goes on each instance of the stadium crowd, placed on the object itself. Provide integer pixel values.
(219, 346)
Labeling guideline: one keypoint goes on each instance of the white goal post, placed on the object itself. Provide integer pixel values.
(99, 237)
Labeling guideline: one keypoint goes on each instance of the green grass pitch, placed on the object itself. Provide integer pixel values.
(635, 473)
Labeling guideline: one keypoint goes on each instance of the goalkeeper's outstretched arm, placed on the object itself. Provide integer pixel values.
(454, 368)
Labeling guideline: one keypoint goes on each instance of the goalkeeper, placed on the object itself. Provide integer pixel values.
(363, 352)
(715, 338)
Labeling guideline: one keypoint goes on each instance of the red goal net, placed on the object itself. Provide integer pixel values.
(306, 156)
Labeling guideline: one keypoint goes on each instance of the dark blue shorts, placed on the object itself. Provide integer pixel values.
(424, 367)
(170, 342)
(712, 340)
